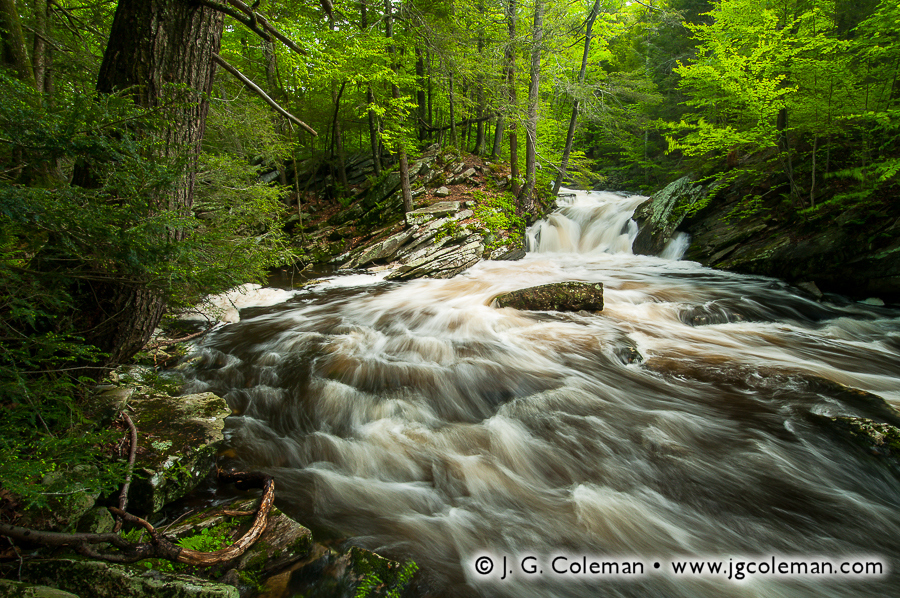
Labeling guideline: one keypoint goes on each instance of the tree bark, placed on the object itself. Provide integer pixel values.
(374, 137)
(153, 45)
(12, 43)
(511, 93)
(570, 134)
(498, 137)
(40, 49)
(395, 92)
(421, 100)
(526, 197)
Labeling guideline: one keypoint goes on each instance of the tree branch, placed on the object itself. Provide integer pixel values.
(255, 89)
(159, 546)
(123, 496)
(267, 26)
(236, 16)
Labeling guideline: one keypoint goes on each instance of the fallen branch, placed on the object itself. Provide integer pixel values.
(159, 546)
(255, 89)
(175, 341)
(123, 495)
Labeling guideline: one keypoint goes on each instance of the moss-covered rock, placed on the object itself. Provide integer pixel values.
(348, 573)
(178, 440)
(878, 439)
(16, 589)
(560, 296)
(660, 216)
(108, 580)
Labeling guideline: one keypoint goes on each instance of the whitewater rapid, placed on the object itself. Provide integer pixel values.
(416, 420)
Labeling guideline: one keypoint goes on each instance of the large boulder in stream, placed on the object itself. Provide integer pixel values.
(660, 216)
(558, 296)
(178, 438)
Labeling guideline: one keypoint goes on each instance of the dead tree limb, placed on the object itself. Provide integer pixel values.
(255, 89)
(159, 546)
(175, 341)
(123, 495)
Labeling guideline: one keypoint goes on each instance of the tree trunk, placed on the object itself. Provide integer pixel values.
(479, 111)
(570, 134)
(12, 43)
(395, 92)
(421, 100)
(526, 197)
(453, 138)
(498, 137)
(39, 53)
(511, 91)
(153, 45)
(374, 137)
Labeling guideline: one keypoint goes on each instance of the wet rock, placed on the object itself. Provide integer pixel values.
(628, 355)
(96, 521)
(429, 213)
(560, 296)
(107, 580)
(177, 446)
(877, 439)
(507, 254)
(16, 589)
(382, 250)
(868, 404)
(445, 262)
(338, 574)
(660, 216)
(811, 288)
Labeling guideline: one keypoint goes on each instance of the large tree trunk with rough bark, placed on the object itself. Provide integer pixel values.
(154, 45)
(13, 53)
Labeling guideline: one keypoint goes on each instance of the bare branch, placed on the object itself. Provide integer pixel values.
(249, 22)
(255, 89)
(267, 26)
(123, 496)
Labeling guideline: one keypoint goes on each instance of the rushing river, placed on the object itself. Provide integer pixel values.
(423, 423)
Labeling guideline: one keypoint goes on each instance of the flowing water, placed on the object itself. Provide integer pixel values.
(423, 423)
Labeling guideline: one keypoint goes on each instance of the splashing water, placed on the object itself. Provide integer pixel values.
(422, 423)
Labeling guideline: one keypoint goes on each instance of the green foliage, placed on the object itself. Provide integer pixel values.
(372, 585)
(497, 214)
(58, 239)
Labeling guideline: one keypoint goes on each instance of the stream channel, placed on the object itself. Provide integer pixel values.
(679, 424)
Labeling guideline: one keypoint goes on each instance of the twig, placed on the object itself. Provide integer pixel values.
(123, 495)
(255, 89)
(21, 560)
(175, 341)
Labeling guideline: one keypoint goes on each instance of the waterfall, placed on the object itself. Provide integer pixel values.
(681, 421)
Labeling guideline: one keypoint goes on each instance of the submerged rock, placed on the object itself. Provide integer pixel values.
(560, 296)
(878, 439)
